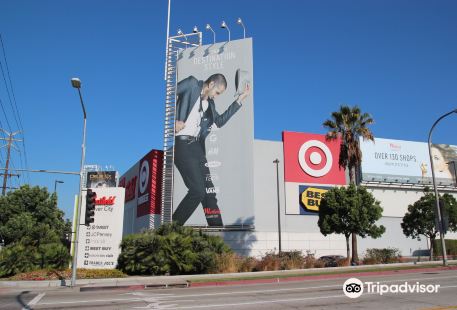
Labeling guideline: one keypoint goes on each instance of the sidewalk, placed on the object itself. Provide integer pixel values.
(150, 282)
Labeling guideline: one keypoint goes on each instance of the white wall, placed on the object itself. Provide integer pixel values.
(301, 232)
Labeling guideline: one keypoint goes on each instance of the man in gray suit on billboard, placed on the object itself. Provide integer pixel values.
(195, 114)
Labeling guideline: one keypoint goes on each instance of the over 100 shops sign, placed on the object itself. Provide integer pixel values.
(98, 245)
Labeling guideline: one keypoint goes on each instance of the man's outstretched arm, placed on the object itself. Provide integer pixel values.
(221, 119)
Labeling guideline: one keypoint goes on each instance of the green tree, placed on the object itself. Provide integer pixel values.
(420, 218)
(350, 210)
(350, 124)
(34, 231)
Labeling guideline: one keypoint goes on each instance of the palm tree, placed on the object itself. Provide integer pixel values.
(350, 124)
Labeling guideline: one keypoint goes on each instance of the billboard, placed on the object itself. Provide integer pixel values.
(98, 244)
(97, 179)
(214, 136)
(399, 161)
(309, 160)
(143, 188)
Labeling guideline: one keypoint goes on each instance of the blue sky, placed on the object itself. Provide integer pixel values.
(395, 59)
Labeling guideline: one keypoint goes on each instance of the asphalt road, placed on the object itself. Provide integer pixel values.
(308, 294)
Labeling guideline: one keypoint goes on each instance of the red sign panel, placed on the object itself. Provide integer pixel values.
(310, 158)
(149, 184)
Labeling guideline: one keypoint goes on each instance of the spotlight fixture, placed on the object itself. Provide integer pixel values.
(208, 27)
(180, 33)
(224, 25)
(240, 22)
(195, 30)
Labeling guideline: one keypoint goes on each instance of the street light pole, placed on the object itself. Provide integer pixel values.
(76, 83)
(437, 201)
(276, 161)
(55, 184)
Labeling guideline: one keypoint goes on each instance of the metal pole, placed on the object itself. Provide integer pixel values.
(10, 141)
(166, 45)
(78, 216)
(437, 202)
(5, 175)
(276, 161)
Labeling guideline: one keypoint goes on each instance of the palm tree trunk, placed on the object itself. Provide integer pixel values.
(355, 256)
(431, 247)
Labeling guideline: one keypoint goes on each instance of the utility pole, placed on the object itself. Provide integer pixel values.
(9, 145)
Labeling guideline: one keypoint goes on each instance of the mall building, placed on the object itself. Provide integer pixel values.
(395, 172)
(243, 177)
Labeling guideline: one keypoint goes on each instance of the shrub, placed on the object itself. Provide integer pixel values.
(46, 274)
(171, 249)
(247, 264)
(53, 256)
(343, 262)
(17, 258)
(319, 264)
(269, 262)
(310, 260)
(381, 256)
(292, 260)
(227, 263)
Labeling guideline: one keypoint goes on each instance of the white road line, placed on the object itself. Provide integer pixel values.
(87, 301)
(34, 301)
(284, 300)
(301, 288)
(174, 297)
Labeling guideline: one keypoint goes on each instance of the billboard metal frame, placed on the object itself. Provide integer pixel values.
(174, 45)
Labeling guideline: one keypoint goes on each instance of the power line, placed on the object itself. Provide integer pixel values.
(15, 109)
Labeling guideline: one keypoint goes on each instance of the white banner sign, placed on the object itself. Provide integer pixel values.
(400, 161)
(98, 246)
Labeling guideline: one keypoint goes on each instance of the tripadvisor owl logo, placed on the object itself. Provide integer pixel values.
(353, 288)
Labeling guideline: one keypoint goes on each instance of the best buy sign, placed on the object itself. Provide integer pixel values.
(311, 197)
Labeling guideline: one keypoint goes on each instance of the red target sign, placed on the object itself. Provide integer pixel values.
(309, 158)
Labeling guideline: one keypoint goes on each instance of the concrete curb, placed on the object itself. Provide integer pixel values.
(149, 282)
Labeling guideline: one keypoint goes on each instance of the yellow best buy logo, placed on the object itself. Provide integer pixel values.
(311, 197)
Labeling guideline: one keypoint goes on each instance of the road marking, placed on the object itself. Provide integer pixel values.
(174, 297)
(87, 301)
(34, 301)
(284, 300)
(301, 288)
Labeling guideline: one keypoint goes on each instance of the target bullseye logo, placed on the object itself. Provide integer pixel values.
(144, 176)
(315, 158)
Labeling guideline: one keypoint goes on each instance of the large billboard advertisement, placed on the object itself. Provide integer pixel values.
(98, 244)
(213, 155)
(97, 179)
(310, 161)
(399, 161)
